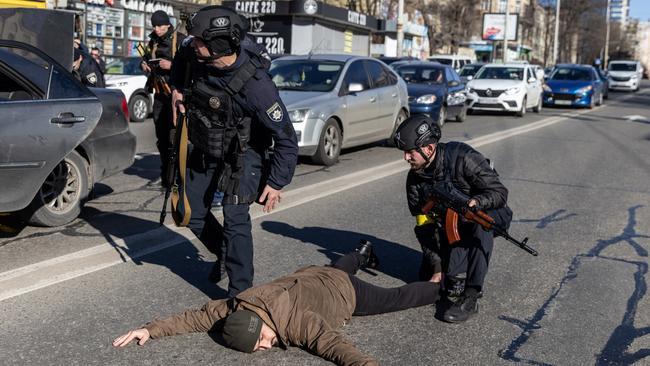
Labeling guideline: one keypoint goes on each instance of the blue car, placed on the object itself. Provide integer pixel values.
(434, 89)
(574, 86)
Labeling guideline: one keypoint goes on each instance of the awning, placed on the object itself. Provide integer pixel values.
(22, 4)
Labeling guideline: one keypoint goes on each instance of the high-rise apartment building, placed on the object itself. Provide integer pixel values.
(619, 11)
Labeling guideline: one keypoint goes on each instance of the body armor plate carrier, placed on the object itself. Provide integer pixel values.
(216, 131)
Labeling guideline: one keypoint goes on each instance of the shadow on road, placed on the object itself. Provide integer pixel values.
(395, 260)
(184, 259)
(615, 350)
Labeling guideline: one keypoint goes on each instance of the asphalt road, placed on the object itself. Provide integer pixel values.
(578, 186)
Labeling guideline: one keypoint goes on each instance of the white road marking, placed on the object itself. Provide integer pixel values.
(52, 271)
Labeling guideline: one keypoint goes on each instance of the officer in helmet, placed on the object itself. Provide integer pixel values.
(432, 161)
(234, 114)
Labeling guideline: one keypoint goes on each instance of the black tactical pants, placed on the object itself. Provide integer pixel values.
(471, 255)
(162, 120)
(232, 242)
(373, 299)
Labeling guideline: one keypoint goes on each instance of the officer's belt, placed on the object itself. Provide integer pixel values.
(233, 199)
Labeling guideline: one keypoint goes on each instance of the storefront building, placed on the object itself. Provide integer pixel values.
(302, 26)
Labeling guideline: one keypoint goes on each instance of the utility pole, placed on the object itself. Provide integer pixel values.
(505, 35)
(556, 42)
(606, 55)
(400, 27)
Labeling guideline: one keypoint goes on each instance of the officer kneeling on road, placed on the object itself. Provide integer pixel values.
(304, 309)
(234, 114)
(86, 70)
(469, 172)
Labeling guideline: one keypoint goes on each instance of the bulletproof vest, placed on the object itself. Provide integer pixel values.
(213, 127)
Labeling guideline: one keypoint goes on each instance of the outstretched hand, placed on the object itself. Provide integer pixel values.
(141, 334)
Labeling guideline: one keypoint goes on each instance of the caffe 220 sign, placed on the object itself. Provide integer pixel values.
(272, 26)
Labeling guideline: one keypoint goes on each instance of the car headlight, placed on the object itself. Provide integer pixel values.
(584, 90)
(547, 88)
(634, 77)
(513, 91)
(298, 115)
(426, 99)
(456, 98)
(470, 90)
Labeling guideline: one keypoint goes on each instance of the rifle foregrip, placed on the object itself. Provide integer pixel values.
(451, 226)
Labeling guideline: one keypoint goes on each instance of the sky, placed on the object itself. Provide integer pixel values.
(640, 9)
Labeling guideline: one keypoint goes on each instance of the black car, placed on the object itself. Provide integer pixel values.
(434, 89)
(57, 137)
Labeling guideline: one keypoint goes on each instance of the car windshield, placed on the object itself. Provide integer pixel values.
(501, 73)
(444, 61)
(127, 66)
(305, 75)
(571, 74)
(622, 67)
(470, 70)
(421, 75)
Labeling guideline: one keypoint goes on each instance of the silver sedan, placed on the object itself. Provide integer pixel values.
(339, 101)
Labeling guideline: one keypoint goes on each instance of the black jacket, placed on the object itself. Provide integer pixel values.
(260, 100)
(89, 73)
(164, 48)
(473, 176)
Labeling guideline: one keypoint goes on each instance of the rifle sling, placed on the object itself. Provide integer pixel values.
(184, 218)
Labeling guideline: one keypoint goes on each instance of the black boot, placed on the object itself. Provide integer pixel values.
(464, 308)
(218, 271)
(370, 259)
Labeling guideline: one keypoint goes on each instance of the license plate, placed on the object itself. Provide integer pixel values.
(563, 102)
(488, 100)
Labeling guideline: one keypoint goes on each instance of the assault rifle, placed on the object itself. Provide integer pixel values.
(172, 169)
(154, 82)
(444, 196)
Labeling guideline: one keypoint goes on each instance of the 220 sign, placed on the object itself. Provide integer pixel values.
(274, 45)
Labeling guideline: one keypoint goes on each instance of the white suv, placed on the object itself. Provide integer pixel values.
(505, 87)
(125, 75)
(455, 61)
(625, 75)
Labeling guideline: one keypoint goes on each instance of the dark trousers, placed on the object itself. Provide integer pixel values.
(162, 120)
(373, 299)
(232, 242)
(471, 255)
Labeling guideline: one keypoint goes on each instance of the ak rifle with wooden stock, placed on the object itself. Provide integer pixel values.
(444, 196)
(156, 82)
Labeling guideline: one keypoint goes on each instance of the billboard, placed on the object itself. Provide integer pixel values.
(494, 25)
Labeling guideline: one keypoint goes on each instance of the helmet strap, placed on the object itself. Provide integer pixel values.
(424, 156)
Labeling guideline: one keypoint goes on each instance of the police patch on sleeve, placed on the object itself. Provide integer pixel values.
(92, 78)
(275, 112)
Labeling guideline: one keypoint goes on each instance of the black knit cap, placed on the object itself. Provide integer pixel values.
(241, 330)
(159, 17)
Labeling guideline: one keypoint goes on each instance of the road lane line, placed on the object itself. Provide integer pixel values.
(52, 271)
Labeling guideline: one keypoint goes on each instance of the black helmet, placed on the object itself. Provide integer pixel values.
(221, 28)
(416, 131)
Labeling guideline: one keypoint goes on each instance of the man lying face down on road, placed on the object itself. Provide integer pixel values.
(303, 309)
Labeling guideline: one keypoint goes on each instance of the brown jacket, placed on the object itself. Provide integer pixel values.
(304, 308)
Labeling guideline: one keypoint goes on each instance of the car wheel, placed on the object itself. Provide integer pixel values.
(442, 116)
(401, 116)
(329, 145)
(59, 199)
(592, 102)
(539, 106)
(462, 115)
(522, 111)
(138, 108)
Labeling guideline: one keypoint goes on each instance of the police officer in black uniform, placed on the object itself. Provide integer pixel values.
(234, 115)
(164, 40)
(86, 70)
(470, 173)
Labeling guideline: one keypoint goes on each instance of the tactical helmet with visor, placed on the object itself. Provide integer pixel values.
(220, 28)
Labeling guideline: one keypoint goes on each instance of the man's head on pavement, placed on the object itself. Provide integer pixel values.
(160, 22)
(218, 32)
(418, 136)
(245, 331)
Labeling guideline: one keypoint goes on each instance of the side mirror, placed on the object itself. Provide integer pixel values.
(453, 83)
(355, 88)
(531, 80)
(470, 77)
